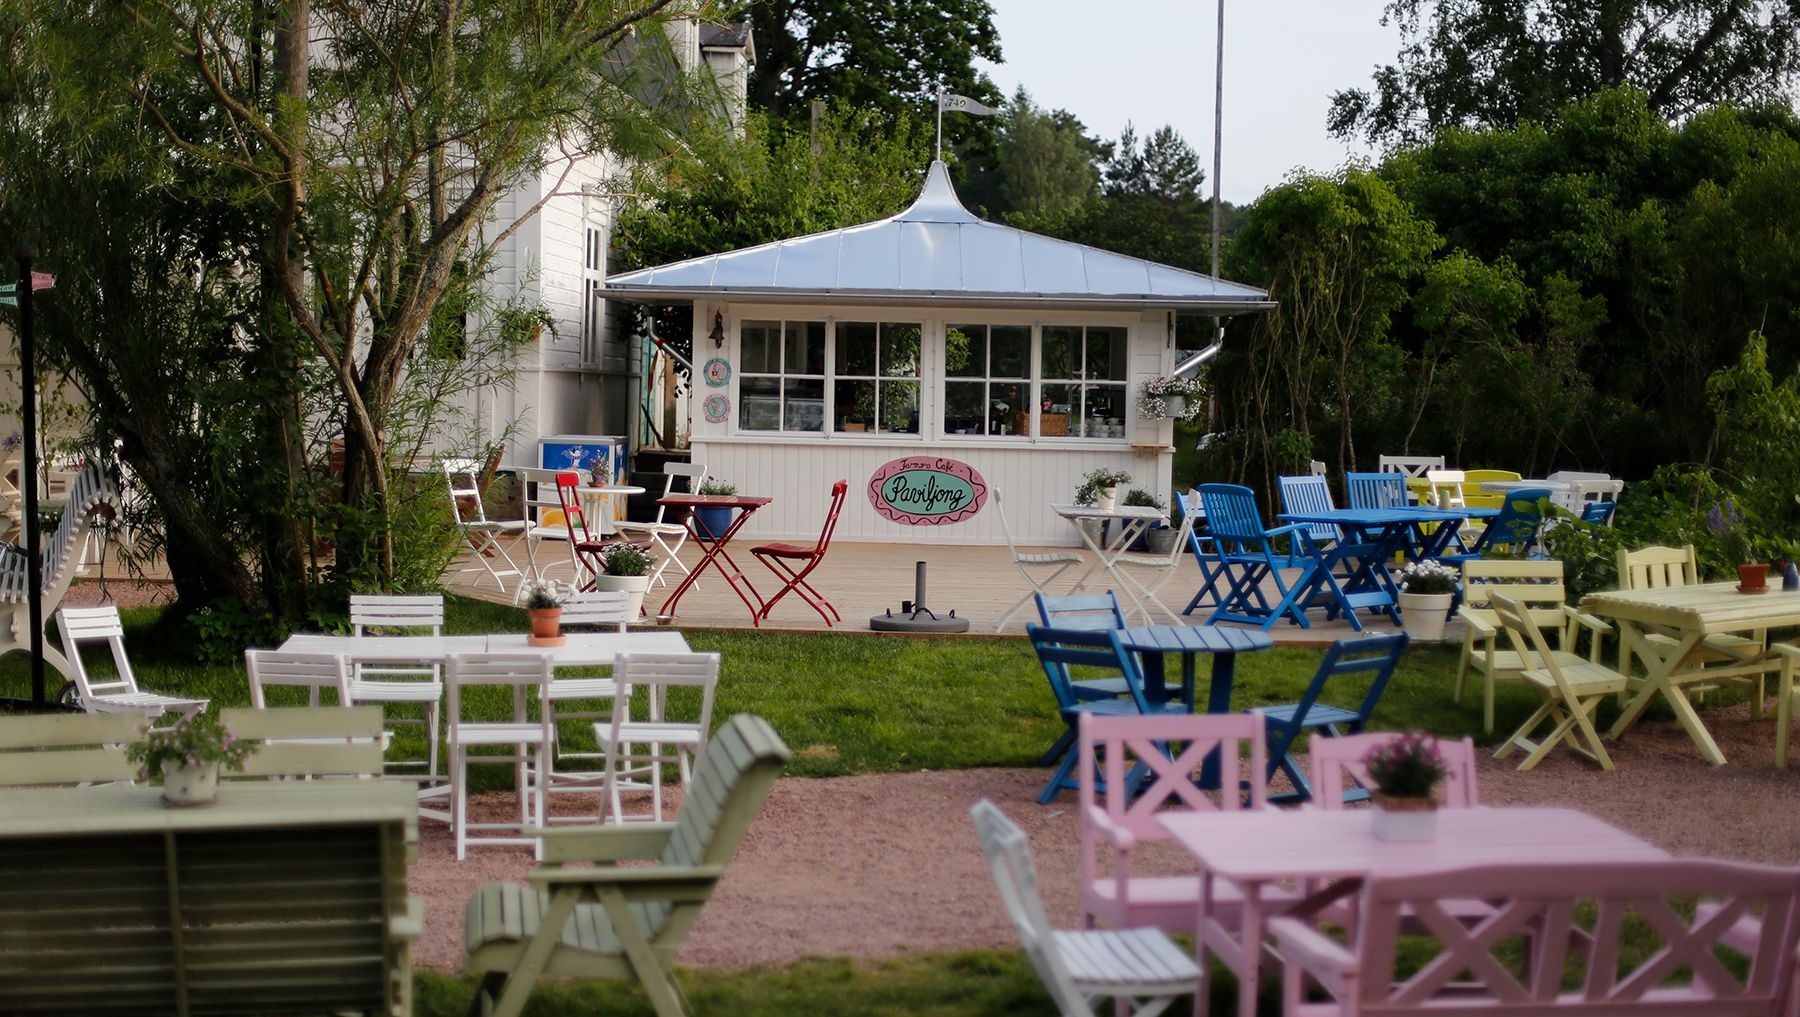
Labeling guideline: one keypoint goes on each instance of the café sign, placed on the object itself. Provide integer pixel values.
(927, 491)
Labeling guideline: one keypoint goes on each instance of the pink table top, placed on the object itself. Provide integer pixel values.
(1311, 843)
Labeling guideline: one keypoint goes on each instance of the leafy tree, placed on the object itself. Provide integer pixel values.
(1046, 160)
(332, 206)
(1167, 168)
(892, 59)
(1500, 62)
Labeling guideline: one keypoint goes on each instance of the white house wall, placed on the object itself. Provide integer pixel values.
(798, 470)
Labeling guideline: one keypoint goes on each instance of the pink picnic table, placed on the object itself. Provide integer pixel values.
(1330, 852)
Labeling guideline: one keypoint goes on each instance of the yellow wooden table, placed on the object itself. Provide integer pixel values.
(279, 897)
(1690, 613)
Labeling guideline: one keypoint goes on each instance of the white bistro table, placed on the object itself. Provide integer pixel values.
(1090, 524)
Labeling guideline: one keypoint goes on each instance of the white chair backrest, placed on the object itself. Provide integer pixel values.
(511, 670)
(463, 478)
(1317, 468)
(1005, 527)
(310, 671)
(607, 608)
(694, 474)
(1446, 487)
(657, 674)
(1575, 476)
(388, 612)
(1412, 466)
(1009, 859)
(79, 625)
(543, 510)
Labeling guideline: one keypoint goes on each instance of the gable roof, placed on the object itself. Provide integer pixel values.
(936, 251)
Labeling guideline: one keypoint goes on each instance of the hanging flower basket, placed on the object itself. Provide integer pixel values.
(1171, 398)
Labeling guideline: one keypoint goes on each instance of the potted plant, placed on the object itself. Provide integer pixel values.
(1100, 488)
(1426, 589)
(626, 567)
(1171, 397)
(1727, 523)
(185, 759)
(714, 519)
(1404, 772)
(543, 603)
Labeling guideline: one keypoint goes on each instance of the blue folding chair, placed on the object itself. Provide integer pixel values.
(1061, 649)
(1310, 494)
(1245, 554)
(1097, 612)
(1600, 513)
(1375, 490)
(1513, 532)
(1376, 655)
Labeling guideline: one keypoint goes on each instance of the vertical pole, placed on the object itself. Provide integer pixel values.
(1218, 132)
(918, 587)
(28, 471)
(939, 156)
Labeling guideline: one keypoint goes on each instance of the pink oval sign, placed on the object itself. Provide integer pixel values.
(927, 491)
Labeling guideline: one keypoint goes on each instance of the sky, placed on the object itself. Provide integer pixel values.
(1150, 63)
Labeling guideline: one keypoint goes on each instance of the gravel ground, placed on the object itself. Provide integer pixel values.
(873, 866)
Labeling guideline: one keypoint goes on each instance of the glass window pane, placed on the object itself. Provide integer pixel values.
(1011, 351)
(1102, 412)
(805, 405)
(856, 349)
(759, 404)
(963, 413)
(899, 405)
(900, 351)
(1062, 348)
(1006, 408)
(806, 347)
(854, 403)
(762, 348)
(1105, 354)
(1059, 404)
(965, 351)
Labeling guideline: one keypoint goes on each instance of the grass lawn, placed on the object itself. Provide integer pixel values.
(851, 704)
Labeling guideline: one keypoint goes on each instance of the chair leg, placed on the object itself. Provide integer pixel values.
(459, 799)
(431, 736)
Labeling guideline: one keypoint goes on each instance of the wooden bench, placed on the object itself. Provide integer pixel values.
(67, 748)
(1576, 957)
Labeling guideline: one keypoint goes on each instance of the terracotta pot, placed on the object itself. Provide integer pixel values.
(1403, 819)
(1753, 577)
(546, 622)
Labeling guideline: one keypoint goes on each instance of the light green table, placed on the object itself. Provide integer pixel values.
(280, 897)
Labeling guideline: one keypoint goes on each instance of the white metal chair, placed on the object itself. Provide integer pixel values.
(543, 521)
(668, 537)
(1411, 466)
(310, 671)
(1142, 968)
(482, 535)
(528, 742)
(584, 699)
(119, 693)
(637, 748)
(1162, 566)
(403, 614)
(1057, 562)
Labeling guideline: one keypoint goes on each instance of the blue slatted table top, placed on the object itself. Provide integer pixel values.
(1193, 639)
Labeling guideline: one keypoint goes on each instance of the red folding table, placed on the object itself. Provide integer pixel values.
(716, 554)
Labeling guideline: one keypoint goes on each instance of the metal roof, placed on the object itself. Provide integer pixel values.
(936, 251)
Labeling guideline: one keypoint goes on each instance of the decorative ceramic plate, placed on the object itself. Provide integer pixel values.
(718, 372)
(718, 409)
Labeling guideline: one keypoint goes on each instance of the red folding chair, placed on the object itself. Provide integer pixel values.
(782, 558)
(581, 540)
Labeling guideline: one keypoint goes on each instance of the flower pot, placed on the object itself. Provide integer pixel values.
(1753, 577)
(1403, 819)
(1107, 499)
(1160, 539)
(712, 521)
(1174, 406)
(634, 587)
(1423, 615)
(185, 785)
(546, 626)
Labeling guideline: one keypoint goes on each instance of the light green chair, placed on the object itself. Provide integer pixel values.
(627, 923)
(67, 748)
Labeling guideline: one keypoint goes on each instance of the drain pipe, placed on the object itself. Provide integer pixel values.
(1199, 357)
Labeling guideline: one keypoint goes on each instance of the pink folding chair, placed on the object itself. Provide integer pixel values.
(1331, 760)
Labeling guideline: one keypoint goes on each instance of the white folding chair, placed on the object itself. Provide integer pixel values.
(1411, 466)
(120, 693)
(310, 671)
(482, 535)
(637, 748)
(584, 699)
(543, 521)
(527, 741)
(1142, 968)
(1057, 562)
(668, 537)
(1163, 566)
(390, 614)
